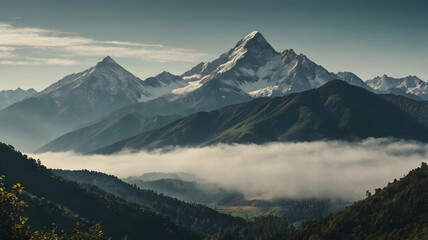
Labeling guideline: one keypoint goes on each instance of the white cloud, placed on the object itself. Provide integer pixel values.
(309, 169)
(6, 52)
(8, 62)
(40, 61)
(56, 43)
(52, 61)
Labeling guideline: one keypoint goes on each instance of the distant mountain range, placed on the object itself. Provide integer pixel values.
(410, 86)
(336, 110)
(108, 97)
(9, 97)
(67, 104)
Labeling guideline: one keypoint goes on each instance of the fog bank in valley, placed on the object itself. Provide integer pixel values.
(295, 170)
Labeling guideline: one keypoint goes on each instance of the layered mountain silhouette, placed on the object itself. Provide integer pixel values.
(106, 132)
(249, 70)
(106, 94)
(9, 97)
(337, 110)
(195, 217)
(69, 103)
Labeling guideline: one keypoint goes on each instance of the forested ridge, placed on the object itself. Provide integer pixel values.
(37, 204)
(69, 200)
(398, 211)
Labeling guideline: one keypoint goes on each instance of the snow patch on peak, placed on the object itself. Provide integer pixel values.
(241, 49)
(190, 87)
(289, 52)
(237, 54)
(251, 35)
(405, 85)
(254, 36)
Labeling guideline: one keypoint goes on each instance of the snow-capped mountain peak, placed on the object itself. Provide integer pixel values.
(288, 55)
(251, 50)
(253, 35)
(107, 76)
(253, 41)
(109, 63)
(403, 86)
(99, 89)
(254, 67)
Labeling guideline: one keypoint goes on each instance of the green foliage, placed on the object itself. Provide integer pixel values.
(66, 198)
(263, 228)
(105, 132)
(193, 216)
(14, 226)
(78, 232)
(398, 211)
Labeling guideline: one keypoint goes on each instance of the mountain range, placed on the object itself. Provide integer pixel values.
(72, 113)
(410, 86)
(9, 97)
(67, 104)
(335, 111)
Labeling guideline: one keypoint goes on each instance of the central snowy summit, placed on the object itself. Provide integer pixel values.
(254, 67)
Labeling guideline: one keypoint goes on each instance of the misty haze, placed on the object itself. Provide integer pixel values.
(324, 169)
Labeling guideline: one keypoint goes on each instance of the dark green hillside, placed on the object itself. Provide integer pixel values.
(336, 110)
(416, 109)
(192, 216)
(398, 211)
(106, 132)
(117, 217)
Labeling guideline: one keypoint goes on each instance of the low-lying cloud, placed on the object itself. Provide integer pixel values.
(296, 170)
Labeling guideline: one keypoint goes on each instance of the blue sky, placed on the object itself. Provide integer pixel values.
(43, 40)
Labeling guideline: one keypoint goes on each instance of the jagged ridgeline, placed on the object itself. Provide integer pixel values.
(88, 110)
